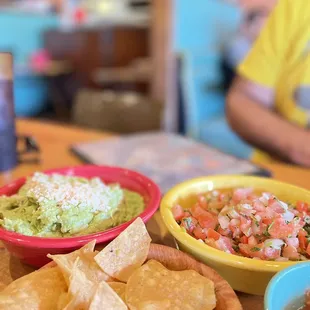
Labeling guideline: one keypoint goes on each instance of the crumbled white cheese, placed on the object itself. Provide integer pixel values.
(68, 191)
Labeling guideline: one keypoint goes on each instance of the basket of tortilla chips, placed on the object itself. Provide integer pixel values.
(129, 273)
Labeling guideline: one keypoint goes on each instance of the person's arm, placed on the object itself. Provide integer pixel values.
(250, 114)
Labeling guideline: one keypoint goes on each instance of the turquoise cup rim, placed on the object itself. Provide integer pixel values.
(275, 281)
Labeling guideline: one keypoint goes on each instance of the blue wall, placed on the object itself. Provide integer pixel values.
(22, 34)
(201, 29)
(203, 23)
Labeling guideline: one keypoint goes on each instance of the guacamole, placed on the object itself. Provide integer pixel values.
(64, 206)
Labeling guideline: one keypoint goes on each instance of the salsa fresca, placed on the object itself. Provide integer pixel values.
(249, 223)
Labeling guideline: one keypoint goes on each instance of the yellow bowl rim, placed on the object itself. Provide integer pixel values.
(211, 253)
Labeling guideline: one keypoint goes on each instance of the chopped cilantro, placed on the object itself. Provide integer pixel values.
(236, 248)
(307, 228)
(187, 222)
(269, 227)
(217, 227)
(255, 220)
(266, 233)
(255, 249)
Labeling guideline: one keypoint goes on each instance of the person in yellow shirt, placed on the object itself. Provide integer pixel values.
(268, 104)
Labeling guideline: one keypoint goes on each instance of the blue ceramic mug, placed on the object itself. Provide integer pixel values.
(287, 288)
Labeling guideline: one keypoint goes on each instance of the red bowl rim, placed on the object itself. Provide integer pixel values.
(103, 236)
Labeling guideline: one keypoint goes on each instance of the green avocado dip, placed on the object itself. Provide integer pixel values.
(65, 206)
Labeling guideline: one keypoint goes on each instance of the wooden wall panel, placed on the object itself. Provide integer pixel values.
(164, 79)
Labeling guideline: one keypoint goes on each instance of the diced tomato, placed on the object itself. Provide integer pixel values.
(244, 239)
(258, 228)
(211, 233)
(199, 233)
(270, 213)
(202, 201)
(290, 252)
(302, 239)
(276, 206)
(252, 240)
(308, 249)
(211, 242)
(267, 221)
(251, 251)
(280, 229)
(258, 206)
(207, 221)
(261, 226)
(178, 212)
(205, 218)
(259, 251)
(224, 232)
(241, 194)
(302, 206)
(198, 211)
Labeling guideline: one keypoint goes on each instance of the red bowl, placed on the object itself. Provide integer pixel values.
(33, 250)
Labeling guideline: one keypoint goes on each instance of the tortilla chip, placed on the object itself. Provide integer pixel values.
(63, 300)
(126, 253)
(81, 290)
(119, 288)
(153, 286)
(86, 264)
(36, 291)
(106, 298)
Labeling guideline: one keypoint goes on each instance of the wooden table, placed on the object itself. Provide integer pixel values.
(55, 140)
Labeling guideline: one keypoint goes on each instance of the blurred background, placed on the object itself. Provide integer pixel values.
(131, 65)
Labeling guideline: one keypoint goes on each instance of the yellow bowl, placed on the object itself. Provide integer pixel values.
(243, 274)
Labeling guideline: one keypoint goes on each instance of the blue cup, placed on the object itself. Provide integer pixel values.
(288, 287)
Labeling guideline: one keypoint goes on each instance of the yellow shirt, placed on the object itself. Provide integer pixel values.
(280, 59)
